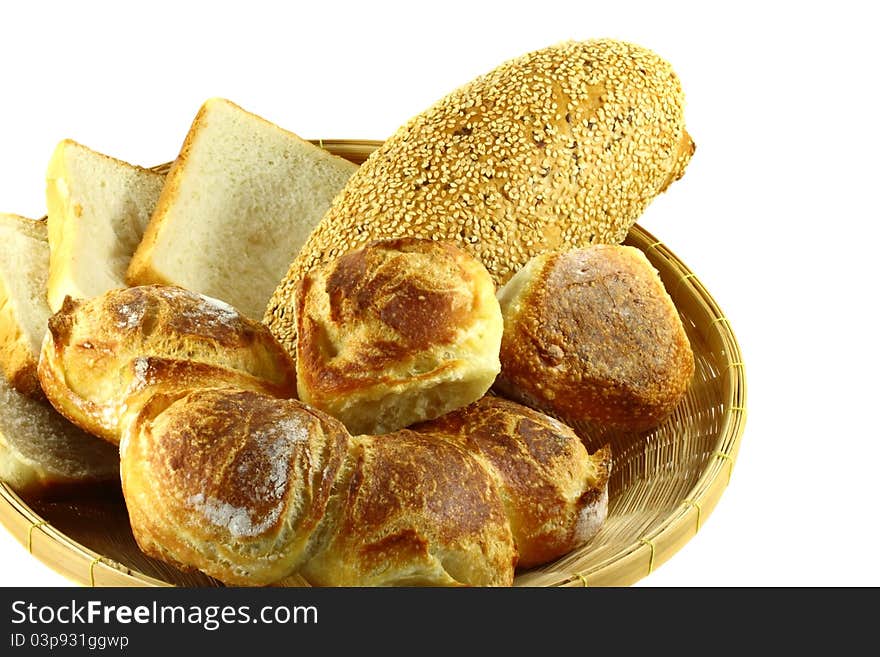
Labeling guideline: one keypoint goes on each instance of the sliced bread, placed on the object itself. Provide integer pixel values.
(41, 452)
(98, 208)
(240, 200)
(24, 314)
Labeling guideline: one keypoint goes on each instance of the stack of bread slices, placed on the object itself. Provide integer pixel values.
(234, 210)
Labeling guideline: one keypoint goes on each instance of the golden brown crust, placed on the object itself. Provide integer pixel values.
(231, 482)
(591, 335)
(390, 319)
(386, 303)
(559, 148)
(104, 357)
(17, 360)
(20, 369)
(555, 494)
(416, 510)
(252, 489)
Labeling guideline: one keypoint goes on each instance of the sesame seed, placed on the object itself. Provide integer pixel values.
(578, 137)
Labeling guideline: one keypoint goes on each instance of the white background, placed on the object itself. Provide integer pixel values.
(777, 213)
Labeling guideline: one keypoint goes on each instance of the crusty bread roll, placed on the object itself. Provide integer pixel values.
(241, 198)
(416, 510)
(591, 335)
(231, 482)
(98, 209)
(555, 494)
(108, 355)
(44, 455)
(252, 489)
(24, 313)
(396, 332)
(559, 148)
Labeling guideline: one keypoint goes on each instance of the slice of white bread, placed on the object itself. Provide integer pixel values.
(98, 208)
(239, 202)
(41, 452)
(24, 314)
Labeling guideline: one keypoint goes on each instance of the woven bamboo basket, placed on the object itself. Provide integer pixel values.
(664, 483)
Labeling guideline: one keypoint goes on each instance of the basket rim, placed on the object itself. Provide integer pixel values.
(656, 547)
(43, 540)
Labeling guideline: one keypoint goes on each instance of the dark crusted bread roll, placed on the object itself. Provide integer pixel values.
(591, 335)
(396, 332)
(103, 357)
(252, 489)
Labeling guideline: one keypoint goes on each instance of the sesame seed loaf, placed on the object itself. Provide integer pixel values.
(98, 209)
(559, 148)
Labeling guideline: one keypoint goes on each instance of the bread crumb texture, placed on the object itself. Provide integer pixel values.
(559, 148)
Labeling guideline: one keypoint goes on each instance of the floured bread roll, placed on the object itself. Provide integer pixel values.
(591, 335)
(397, 332)
(232, 482)
(104, 357)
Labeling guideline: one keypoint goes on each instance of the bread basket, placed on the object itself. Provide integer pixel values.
(664, 484)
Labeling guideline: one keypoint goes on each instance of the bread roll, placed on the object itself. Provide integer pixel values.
(231, 482)
(396, 332)
(416, 510)
(559, 148)
(252, 489)
(591, 335)
(108, 355)
(555, 494)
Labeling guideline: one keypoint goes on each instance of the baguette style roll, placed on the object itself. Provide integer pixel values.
(104, 357)
(592, 336)
(251, 489)
(559, 148)
(397, 332)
